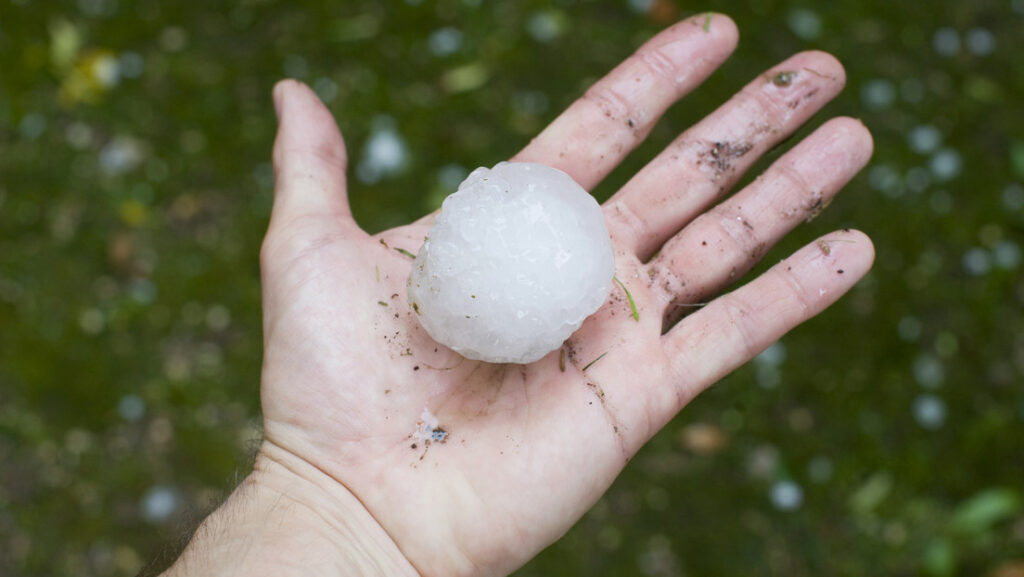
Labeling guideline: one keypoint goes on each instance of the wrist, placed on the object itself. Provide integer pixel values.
(289, 518)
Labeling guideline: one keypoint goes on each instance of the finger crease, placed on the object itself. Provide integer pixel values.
(666, 283)
(775, 113)
(793, 179)
(736, 314)
(661, 65)
(628, 225)
(742, 232)
(612, 104)
(800, 293)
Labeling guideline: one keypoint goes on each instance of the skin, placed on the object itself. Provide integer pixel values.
(338, 483)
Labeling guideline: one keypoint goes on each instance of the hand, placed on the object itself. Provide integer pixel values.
(529, 448)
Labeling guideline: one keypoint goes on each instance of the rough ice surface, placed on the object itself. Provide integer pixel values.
(518, 257)
(428, 429)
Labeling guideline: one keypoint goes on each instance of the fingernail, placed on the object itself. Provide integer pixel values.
(278, 96)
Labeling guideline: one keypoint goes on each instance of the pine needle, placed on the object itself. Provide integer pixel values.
(591, 363)
(632, 305)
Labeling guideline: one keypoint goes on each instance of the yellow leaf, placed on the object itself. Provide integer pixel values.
(133, 213)
(65, 42)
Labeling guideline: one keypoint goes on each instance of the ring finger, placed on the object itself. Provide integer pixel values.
(725, 242)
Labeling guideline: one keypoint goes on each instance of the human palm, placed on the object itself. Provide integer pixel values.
(527, 449)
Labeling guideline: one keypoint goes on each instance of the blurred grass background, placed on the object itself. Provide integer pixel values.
(884, 438)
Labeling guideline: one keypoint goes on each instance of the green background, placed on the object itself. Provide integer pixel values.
(885, 437)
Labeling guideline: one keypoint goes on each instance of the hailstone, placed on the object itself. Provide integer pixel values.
(516, 260)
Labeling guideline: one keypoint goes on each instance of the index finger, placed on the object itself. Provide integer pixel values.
(597, 131)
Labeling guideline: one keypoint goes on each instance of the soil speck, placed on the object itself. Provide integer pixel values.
(783, 78)
(721, 156)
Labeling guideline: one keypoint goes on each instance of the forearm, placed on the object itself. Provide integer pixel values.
(290, 519)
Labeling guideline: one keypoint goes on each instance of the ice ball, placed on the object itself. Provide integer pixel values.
(516, 260)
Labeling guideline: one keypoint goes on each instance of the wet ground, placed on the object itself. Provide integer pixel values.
(883, 438)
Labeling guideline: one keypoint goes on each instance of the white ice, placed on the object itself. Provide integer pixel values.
(516, 260)
(428, 429)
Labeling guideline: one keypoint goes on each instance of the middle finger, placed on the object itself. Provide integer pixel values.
(707, 160)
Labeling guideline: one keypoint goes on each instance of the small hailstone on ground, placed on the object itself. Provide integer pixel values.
(428, 429)
(516, 260)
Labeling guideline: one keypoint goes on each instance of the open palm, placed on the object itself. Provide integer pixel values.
(527, 449)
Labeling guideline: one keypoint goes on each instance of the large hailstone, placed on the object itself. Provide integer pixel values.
(518, 257)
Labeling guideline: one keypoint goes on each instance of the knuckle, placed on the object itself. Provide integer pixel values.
(322, 161)
(332, 156)
(626, 225)
(733, 226)
(767, 104)
(666, 281)
(791, 178)
(286, 244)
(738, 316)
(610, 102)
(796, 289)
(659, 65)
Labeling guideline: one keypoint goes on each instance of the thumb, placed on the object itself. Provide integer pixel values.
(309, 159)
